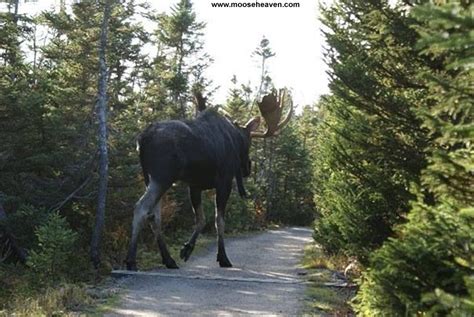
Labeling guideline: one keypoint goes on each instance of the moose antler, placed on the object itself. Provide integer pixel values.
(271, 108)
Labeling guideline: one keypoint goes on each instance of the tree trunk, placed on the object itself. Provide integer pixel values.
(179, 96)
(270, 179)
(16, 5)
(12, 52)
(103, 151)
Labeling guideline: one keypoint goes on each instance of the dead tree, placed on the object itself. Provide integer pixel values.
(103, 150)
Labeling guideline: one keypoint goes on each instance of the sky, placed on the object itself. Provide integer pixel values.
(232, 34)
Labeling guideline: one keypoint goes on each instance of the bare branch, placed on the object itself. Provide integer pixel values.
(72, 195)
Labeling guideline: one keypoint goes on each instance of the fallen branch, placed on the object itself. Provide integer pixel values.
(71, 195)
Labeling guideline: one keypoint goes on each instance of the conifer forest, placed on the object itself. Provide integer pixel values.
(381, 167)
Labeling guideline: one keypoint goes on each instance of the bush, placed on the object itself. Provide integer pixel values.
(55, 255)
(23, 223)
(359, 192)
(429, 267)
(426, 258)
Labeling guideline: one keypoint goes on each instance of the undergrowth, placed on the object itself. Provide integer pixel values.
(323, 270)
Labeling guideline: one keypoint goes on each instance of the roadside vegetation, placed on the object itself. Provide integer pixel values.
(394, 157)
(329, 291)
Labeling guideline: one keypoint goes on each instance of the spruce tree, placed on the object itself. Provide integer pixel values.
(371, 146)
(429, 268)
(180, 48)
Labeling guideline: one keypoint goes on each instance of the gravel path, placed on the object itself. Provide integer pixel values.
(265, 281)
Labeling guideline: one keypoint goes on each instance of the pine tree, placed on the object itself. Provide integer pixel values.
(49, 126)
(264, 151)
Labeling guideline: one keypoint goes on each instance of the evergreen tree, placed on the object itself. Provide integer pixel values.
(264, 52)
(371, 146)
(291, 176)
(263, 150)
(49, 124)
(237, 107)
(180, 50)
(429, 268)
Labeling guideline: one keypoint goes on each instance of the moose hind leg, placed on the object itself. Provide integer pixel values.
(141, 212)
(195, 195)
(222, 195)
(165, 255)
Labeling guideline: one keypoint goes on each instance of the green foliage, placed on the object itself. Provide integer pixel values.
(291, 193)
(370, 147)
(23, 223)
(429, 268)
(425, 258)
(238, 102)
(54, 260)
(181, 62)
(50, 302)
(280, 185)
(393, 161)
(55, 255)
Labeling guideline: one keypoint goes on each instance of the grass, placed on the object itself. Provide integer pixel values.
(63, 300)
(104, 301)
(324, 300)
(23, 293)
(108, 304)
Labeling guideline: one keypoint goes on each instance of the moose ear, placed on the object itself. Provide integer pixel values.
(253, 124)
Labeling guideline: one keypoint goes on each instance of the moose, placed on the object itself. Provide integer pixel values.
(205, 153)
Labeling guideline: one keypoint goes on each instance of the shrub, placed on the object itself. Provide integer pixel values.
(429, 267)
(54, 256)
(425, 259)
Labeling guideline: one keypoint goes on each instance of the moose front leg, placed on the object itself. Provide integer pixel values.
(195, 195)
(222, 195)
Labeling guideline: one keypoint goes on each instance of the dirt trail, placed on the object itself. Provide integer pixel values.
(264, 281)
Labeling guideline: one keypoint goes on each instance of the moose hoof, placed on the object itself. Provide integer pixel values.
(132, 266)
(171, 264)
(224, 262)
(186, 251)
